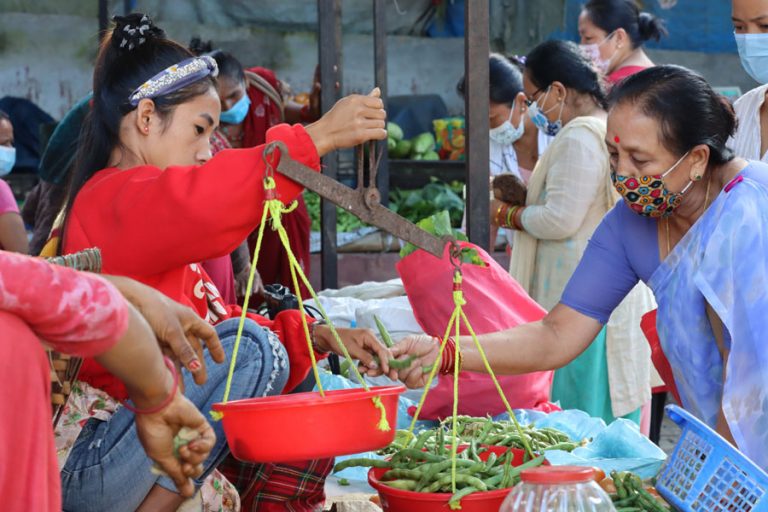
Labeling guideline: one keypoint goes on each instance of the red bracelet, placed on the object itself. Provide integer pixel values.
(169, 364)
(448, 361)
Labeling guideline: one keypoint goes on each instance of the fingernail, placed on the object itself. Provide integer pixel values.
(194, 365)
(373, 365)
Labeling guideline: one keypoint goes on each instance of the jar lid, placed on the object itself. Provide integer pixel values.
(558, 475)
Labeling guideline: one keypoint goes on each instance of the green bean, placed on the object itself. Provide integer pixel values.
(398, 364)
(446, 480)
(385, 337)
(402, 474)
(362, 462)
(629, 509)
(455, 502)
(404, 485)
(422, 439)
(568, 447)
(625, 502)
(618, 482)
(416, 455)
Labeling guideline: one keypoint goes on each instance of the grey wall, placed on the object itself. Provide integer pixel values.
(47, 46)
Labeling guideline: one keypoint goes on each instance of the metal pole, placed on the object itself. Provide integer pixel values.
(103, 18)
(380, 79)
(476, 48)
(329, 44)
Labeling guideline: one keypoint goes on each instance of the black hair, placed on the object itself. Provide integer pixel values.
(611, 15)
(688, 110)
(228, 64)
(4, 116)
(132, 53)
(562, 61)
(505, 80)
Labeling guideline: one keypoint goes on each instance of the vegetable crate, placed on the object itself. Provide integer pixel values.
(706, 474)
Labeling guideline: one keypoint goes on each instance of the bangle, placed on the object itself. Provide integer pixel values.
(169, 364)
(502, 206)
(517, 219)
(450, 353)
(510, 216)
(312, 328)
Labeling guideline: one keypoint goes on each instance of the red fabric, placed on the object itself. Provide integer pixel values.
(494, 302)
(74, 313)
(293, 487)
(273, 264)
(648, 325)
(622, 73)
(155, 225)
(287, 325)
(223, 277)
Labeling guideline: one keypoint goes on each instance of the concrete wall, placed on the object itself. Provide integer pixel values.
(47, 46)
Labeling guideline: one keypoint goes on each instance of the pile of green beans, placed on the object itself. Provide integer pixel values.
(506, 433)
(631, 496)
(414, 469)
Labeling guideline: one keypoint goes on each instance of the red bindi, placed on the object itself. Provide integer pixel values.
(616, 139)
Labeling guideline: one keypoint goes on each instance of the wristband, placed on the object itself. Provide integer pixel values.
(312, 335)
(501, 207)
(508, 221)
(517, 219)
(169, 364)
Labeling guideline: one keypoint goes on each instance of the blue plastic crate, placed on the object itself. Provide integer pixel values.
(706, 474)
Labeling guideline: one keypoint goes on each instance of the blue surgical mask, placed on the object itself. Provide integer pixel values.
(506, 134)
(237, 113)
(539, 118)
(7, 159)
(753, 52)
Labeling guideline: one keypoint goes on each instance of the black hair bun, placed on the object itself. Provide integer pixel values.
(200, 47)
(134, 30)
(651, 27)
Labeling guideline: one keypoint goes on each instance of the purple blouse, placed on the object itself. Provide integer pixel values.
(623, 250)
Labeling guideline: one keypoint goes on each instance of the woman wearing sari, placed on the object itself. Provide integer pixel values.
(692, 227)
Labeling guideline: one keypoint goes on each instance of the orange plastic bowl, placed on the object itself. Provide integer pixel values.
(305, 426)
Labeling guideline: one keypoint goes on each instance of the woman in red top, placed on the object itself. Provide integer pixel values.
(83, 315)
(613, 33)
(147, 193)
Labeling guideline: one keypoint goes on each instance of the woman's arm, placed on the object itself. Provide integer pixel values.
(573, 184)
(545, 345)
(180, 215)
(13, 235)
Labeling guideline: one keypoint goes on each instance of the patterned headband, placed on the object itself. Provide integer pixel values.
(175, 77)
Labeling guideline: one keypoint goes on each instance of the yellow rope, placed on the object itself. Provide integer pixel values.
(268, 183)
(276, 210)
(457, 317)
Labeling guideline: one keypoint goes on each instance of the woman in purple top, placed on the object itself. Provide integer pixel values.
(693, 227)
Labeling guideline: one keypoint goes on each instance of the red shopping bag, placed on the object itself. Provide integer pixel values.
(495, 301)
(648, 325)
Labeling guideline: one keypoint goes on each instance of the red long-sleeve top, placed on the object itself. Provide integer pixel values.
(156, 225)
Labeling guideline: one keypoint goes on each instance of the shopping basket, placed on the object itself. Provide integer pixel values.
(705, 473)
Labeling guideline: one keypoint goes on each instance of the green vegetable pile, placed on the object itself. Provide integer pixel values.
(414, 205)
(421, 469)
(505, 433)
(632, 496)
(423, 463)
(421, 147)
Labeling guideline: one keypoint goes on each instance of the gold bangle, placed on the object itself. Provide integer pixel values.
(498, 212)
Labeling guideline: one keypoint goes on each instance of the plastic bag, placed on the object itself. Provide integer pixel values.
(619, 447)
(494, 302)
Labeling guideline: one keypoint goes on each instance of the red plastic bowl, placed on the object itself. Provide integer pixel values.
(305, 426)
(397, 500)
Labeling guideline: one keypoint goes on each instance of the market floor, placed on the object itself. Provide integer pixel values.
(670, 433)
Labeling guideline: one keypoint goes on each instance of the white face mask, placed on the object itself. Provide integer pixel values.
(506, 134)
(592, 52)
(7, 159)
